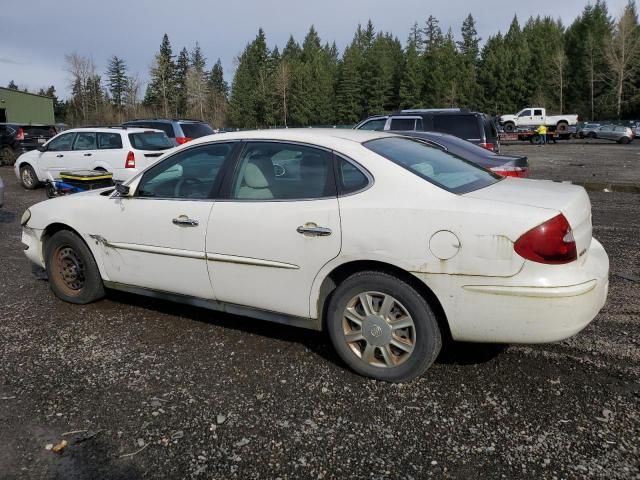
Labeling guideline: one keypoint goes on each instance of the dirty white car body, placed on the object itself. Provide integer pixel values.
(255, 257)
(535, 116)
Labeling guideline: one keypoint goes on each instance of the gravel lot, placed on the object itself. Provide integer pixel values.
(188, 393)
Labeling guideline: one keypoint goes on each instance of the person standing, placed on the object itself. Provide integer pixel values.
(542, 133)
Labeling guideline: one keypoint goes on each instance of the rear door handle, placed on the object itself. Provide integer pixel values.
(87, 154)
(313, 230)
(59, 155)
(185, 221)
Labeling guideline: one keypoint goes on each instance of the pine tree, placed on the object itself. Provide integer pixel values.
(412, 79)
(349, 107)
(432, 34)
(12, 85)
(469, 50)
(182, 67)
(117, 81)
(161, 92)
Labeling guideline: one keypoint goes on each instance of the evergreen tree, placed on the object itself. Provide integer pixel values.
(182, 68)
(412, 78)
(432, 34)
(117, 81)
(469, 50)
(161, 91)
(12, 85)
(349, 107)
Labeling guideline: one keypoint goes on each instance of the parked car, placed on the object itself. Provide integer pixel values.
(475, 127)
(585, 130)
(387, 243)
(1, 193)
(17, 138)
(617, 133)
(505, 165)
(120, 150)
(534, 116)
(178, 131)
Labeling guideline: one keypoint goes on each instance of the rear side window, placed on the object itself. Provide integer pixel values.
(403, 124)
(109, 141)
(196, 130)
(85, 141)
(150, 141)
(436, 166)
(537, 113)
(350, 178)
(376, 124)
(463, 126)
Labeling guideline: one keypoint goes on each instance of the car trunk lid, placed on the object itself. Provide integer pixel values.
(570, 200)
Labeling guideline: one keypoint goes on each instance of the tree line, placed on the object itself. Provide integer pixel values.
(591, 67)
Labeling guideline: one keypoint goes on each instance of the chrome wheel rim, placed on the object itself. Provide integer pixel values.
(70, 270)
(27, 178)
(378, 329)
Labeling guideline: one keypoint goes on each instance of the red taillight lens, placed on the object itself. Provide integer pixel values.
(552, 242)
(488, 146)
(20, 134)
(131, 160)
(182, 140)
(507, 171)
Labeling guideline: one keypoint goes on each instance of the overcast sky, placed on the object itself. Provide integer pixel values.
(35, 36)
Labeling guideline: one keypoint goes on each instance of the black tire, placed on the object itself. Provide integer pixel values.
(562, 127)
(72, 271)
(426, 337)
(509, 127)
(624, 140)
(591, 135)
(28, 177)
(8, 156)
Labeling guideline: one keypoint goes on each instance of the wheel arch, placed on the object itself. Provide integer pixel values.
(345, 270)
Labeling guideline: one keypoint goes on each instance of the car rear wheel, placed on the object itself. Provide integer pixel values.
(509, 127)
(28, 177)
(624, 140)
(72, 271)
(591, 135)
(382, 327)
(562, 127)
(8, 157)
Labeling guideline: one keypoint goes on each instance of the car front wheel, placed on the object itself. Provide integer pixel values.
(382, 327)
(28, 177)
(72, 271)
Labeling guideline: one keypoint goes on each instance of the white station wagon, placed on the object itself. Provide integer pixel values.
(383, 241)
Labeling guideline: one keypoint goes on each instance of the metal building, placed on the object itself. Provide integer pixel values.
(21, 107)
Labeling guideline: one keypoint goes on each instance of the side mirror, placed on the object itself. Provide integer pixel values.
(42, 148)
(123, 190)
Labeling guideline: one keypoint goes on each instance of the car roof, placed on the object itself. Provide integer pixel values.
(112, 129)
(166, 120)
(318, 136)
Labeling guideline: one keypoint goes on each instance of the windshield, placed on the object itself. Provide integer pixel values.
(434, 165)
(196, 130)
(150, 141)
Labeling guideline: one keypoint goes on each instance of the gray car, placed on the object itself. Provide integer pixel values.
(586, 130)
(617, 133)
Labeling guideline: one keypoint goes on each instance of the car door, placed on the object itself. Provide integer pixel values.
(538, 117)
(278, 226)
(111, 154)
(525, 118)
(83, 153)
(57, 152)
(155, 237)
(605, 132)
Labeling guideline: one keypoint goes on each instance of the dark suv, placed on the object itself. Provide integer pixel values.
(178, 131)
(17, 138)
(475, 127)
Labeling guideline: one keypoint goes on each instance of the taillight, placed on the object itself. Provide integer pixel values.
(20, 134)
(488, 146)
(507, 171)
(182, 140)
(552, 242)
(131, 160)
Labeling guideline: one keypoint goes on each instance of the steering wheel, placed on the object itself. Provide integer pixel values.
(185, 181)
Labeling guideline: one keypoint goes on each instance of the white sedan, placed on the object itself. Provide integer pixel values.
(388, 244)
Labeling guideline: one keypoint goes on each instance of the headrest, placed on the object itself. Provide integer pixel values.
(254, 177)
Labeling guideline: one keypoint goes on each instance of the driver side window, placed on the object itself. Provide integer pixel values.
(193, 173)
(62, 143)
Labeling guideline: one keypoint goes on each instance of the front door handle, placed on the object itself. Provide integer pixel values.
(59, 155)
(185, 221)
(87, 154)
(313, 230)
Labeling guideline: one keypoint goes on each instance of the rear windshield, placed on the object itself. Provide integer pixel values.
(463, 126)
(39, 130)
(196, 130)
(150, 141)
(434, 165)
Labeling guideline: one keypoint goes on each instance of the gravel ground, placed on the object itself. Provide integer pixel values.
(157, 390)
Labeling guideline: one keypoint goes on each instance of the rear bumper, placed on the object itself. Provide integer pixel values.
(518, 313)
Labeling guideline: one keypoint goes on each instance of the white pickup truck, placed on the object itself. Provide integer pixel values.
(535, 116)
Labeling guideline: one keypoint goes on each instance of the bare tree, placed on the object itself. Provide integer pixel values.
(559, 62)
(197, 92)
(132, 95)
(81, 69)
(622, 54)
(282, 84)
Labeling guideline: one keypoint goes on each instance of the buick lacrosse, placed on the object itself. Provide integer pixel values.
(388, 244)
